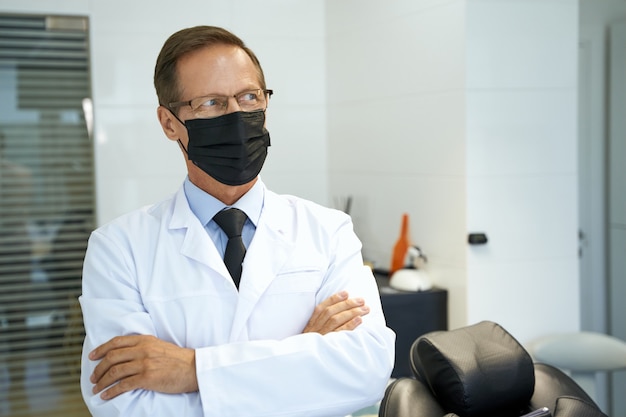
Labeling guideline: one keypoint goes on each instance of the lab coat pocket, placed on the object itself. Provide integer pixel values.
(296, 281)
(287, 304)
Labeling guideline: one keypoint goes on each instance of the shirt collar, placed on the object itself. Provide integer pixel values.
(205, 206)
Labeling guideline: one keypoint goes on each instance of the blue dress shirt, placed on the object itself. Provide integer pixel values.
(205, 206)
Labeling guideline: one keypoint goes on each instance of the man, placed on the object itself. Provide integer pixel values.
(171, 329)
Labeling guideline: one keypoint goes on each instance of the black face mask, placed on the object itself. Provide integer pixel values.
(230, 148)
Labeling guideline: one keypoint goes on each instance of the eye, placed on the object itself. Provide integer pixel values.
(210, 102)
(248, 97)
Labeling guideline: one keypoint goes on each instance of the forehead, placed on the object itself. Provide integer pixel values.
(217, 69)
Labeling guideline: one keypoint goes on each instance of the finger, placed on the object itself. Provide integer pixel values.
(335, 298)
(116, 373)
(115, 343)
(341, 321)
(124, 385)
(331, 301)
(356, 321)
(341, 307)
(110, 360)
(352, 324)
(320, 310)
(324, 320)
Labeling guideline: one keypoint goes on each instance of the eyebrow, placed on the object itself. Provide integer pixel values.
(250, 88)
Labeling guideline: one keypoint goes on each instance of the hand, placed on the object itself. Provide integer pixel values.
(143, 362)
(337, 312)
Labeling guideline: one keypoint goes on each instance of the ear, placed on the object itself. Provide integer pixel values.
(169, 123)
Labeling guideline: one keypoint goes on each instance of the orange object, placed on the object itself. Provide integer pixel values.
(401, 247)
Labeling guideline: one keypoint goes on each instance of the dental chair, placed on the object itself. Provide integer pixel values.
(482, 371)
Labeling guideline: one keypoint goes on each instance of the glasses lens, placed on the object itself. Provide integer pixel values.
(208, 107)
(251, 100)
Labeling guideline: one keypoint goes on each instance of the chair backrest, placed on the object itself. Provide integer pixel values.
(481, 371)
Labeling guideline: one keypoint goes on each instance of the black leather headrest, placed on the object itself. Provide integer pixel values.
(475, 370)
(408, 397)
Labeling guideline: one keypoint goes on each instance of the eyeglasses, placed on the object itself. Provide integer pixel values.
(214, 106)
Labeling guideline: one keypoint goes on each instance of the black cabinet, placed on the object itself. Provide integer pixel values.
(410, 315)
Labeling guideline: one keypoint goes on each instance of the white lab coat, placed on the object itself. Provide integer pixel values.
(156, 271)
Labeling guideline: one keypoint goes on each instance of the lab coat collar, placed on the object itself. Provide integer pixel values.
(196, 244)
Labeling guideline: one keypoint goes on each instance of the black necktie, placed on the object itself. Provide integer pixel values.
(231, 221)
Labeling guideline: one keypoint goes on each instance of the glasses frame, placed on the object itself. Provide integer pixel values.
(177, 104)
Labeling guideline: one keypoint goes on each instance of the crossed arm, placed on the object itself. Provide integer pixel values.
(146, 362)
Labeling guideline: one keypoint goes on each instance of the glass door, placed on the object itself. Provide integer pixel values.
(46, 211)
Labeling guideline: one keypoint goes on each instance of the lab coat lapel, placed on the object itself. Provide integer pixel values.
(196, 243)
(269, 250)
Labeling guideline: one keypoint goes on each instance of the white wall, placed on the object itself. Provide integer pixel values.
(135, 163)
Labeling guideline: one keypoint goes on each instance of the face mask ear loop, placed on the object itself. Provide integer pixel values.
(183, 123)
(182, 146)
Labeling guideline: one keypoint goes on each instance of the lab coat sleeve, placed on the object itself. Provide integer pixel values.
(303, 375)
(307, 374)
(111, 305)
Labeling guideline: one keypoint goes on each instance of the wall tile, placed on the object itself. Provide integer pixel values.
(130, 193)
(158, 16)
(300, 81)
(414, 53)
(123, 69)
(522, 296)
(70, 7)
(290, 19)
(311, 186)
(525, 217)
(521, 132)
(453, 279)
(297, 134)
(423, 134)
(522, 44)
(363, 15)
(132, 137)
